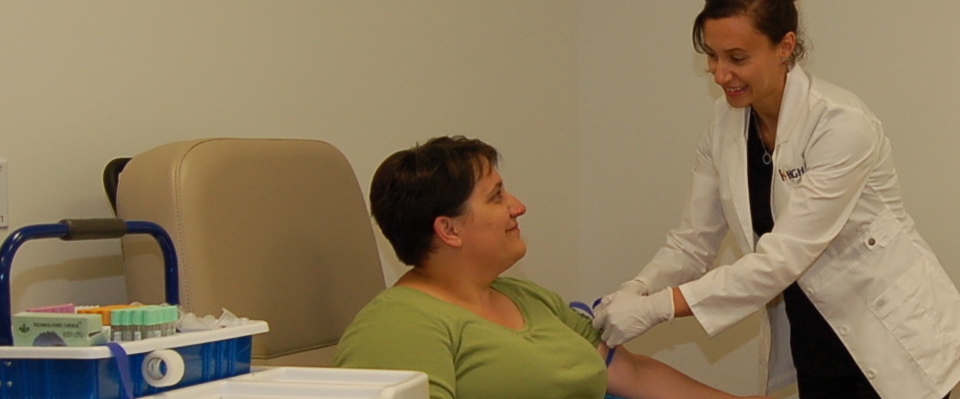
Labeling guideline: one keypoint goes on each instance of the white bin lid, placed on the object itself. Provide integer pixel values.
(309, 382)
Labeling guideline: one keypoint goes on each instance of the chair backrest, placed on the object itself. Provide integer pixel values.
(270, 229)
(111, 177)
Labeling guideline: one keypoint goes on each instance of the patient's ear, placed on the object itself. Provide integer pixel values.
(446, 230)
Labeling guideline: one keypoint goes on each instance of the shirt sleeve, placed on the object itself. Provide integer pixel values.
(581, 325)
(391, 335)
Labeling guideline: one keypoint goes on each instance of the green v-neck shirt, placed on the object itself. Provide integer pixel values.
(466, 356)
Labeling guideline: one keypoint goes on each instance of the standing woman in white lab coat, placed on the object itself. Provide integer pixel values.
(799, 172)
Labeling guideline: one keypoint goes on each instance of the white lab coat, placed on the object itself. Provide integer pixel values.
(840, 231)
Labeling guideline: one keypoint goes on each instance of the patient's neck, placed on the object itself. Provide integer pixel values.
(475, 295)
(448, 284)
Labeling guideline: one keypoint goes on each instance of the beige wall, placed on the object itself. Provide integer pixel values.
(84, 82)
(595, 105)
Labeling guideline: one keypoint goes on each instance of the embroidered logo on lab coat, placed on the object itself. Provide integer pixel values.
(791, 174)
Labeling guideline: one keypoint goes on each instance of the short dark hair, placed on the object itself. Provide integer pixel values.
(773, 18)
(411, 188)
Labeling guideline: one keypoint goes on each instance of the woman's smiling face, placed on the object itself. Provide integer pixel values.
(748, 67)
(489, 227)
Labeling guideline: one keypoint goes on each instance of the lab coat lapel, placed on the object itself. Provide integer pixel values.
(791, 106)
(735, 156)
(793, 112)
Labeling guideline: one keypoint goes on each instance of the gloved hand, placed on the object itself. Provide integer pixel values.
(628, 313)
(633, 286)
(630, 289)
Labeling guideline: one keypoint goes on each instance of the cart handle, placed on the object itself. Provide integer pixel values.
(82, 229)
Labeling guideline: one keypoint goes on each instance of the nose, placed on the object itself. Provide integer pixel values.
(721, 74)
(517, 208)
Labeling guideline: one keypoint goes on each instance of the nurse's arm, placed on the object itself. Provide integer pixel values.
(680, 306)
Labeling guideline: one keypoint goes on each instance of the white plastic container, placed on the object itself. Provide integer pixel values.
(309, 382)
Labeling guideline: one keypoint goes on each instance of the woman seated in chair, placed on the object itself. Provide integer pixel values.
(443, 207)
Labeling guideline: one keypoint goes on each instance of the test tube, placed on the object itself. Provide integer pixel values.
(152, 322)
(136, 323)
(172, 319)
(118, 325)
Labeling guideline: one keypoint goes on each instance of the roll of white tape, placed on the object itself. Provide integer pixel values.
(153, 368)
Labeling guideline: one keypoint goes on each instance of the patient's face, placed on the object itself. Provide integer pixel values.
(489, 228)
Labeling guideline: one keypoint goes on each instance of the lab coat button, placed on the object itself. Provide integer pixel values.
(871, 374)
(880, 303)
(844, 331)
(871, 242)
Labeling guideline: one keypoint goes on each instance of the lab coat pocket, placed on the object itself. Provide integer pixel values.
(908, 310)
(880, 232)
(884, 251)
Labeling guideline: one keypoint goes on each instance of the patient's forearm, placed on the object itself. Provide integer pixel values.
(636, 376)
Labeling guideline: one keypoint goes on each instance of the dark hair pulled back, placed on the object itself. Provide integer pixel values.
(772, 18)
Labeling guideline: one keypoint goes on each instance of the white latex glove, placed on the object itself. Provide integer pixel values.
(629, 314)
(629, 289)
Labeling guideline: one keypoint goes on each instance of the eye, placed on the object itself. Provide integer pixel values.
(739, 59)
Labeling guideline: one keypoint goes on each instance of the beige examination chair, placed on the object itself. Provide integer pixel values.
(269, 229)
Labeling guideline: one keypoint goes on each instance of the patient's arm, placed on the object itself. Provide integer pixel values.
(636, 376)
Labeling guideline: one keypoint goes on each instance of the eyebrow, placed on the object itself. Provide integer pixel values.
(728, 51)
